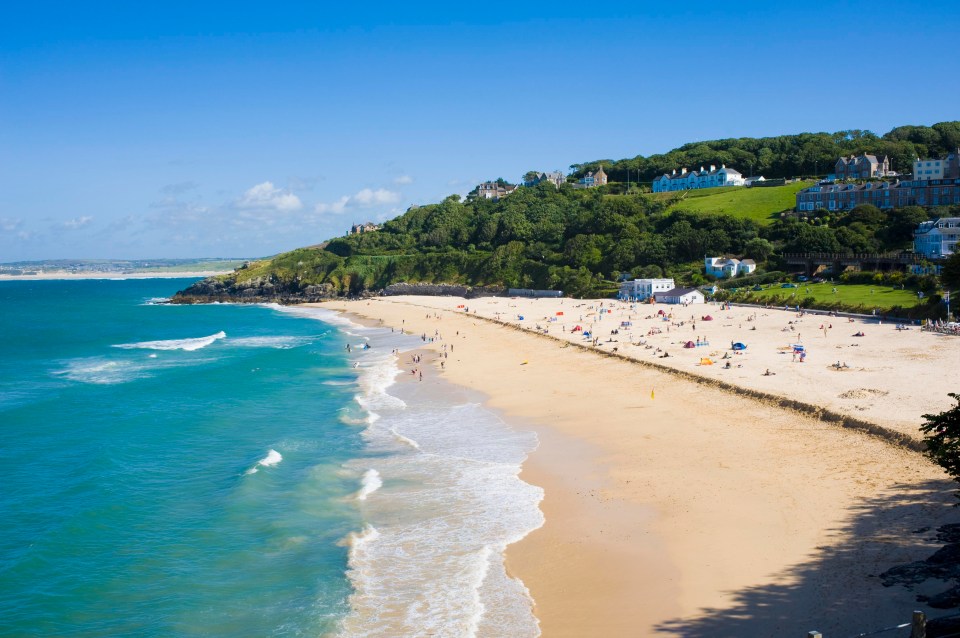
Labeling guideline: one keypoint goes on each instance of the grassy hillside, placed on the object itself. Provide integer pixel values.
(761, 205)
(851, 295)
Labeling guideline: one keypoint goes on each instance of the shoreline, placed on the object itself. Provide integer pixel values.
(667, 514)
(52, 276)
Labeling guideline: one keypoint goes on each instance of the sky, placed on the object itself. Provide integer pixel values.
(187, 129)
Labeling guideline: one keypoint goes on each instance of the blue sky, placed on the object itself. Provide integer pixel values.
(208, 129)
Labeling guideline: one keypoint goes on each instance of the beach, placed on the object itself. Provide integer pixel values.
(702, 500)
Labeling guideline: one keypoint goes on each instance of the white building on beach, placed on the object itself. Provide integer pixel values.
(680, 296)
(643, 289)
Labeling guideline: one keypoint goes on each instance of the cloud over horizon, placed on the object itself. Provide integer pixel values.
(266, 196)
(365, 198)
(76, 222)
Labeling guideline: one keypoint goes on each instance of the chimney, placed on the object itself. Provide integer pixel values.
(712, 168)
(683, 171)
(723, 166)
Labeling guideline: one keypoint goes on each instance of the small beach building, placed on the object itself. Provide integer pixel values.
(680, 296)
(643, 289)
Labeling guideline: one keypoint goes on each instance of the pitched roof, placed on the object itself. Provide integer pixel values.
(676, 292)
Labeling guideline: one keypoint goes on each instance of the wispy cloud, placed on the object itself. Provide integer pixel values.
(75, 223)
(8, 225)
(267, 197)
(179, 188)
(298, 183)
(403, 180)
(366, 198)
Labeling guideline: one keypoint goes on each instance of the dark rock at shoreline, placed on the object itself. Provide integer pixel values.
(258, 290)
(269, 290)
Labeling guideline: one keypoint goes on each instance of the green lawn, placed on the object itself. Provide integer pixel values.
(883, 297)
(762, 205)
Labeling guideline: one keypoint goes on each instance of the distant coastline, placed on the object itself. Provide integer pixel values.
(111, 275)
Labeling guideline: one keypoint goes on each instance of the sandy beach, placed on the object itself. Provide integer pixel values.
(675, 505)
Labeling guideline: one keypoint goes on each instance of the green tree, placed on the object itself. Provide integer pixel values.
(942, 436)
(758, 249)
(950, 275)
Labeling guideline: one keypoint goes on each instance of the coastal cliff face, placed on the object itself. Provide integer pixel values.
(257, 290)
(271, 290)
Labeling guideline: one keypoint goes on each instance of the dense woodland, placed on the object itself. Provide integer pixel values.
(805, 154)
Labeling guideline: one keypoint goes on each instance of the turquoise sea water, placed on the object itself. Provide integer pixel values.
(226, 470)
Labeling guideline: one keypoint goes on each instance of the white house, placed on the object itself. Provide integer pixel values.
(643, 289)
(683, 180)
(723, 267)
(680, 296)
(931, 169)
(750, 181)
(938, 238)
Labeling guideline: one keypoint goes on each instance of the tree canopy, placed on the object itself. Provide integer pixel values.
(788, 155)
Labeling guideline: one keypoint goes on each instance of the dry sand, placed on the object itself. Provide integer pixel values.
(678, 508)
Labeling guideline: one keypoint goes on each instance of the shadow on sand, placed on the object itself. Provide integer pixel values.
(830, 592)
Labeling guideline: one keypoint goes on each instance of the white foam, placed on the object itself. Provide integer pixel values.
(456, 502)
(106, 370)
(100, 371)
(370, 483)
(175, 344)
(272, 458)
(405, 440)
(276, 342)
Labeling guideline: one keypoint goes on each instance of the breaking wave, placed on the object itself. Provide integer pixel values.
(174, 344)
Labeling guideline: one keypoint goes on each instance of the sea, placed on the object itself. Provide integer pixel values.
(236, 470)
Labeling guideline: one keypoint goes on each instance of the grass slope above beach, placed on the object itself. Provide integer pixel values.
(850, 295)
(760, 204)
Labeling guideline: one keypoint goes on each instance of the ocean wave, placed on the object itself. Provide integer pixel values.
(370, 483)
(156, 301)
(101, 371)
(276, 342)
(272, 458)
(438, 569)
(174, 344)
(338, 383)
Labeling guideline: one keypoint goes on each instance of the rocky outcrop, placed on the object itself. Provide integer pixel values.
(443, 290)
(257, 290)
(271, 290)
